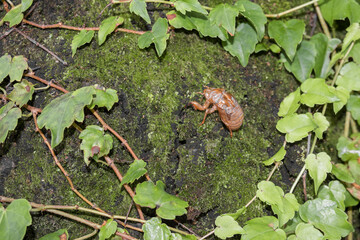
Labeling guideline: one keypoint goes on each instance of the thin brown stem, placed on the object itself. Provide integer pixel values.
(51, 84)
(322, 21)
(40, 46)
(278, 15)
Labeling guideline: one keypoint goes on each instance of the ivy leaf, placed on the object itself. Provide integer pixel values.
(304, 61)
(334, 192)
(107, 230)
(263, 228)
(343, 94)
(107, 26)
(290, 104)
(80, 39)
(14, 16)
(350, 201)
(354, 192)
(227, 227)
(206, 27)
(25, 4)
(242, 44)
(158, 36)
(184, 6)
(18, 65)
(61, 112)
(347, 149)
(14, 219)
(176, 236)
(353, 105)
(8, 119)
(316, 91)
(339, 10)
(154, 229)
(5, 63)
(354, 167)
(324, 47)
(306, 231)
(296, 126)
(104, 98)
(254, 13)
(224, 15)
(269, 193)
(237, 214)
(95, 143)
(325, 215)
(318, 165)
(322, 124)
(287, 211)
(22, 92)
(342, 173)
(150, 195)
(136, 170)
(349, 77)
(354, 53)
(179, 20)
(61, 234)
(139, 8)
(287, 35)
(277, 157)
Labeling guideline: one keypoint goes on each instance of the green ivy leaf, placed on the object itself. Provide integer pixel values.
(206, 27)
(8, 119)
(18, 65)
(318, 165)
(14, 219)
(347, 149)
(342, 173)
(5, 63)
(263, 228)
(176, 236)
(269, 193)
(254, 13)
(154, 229)
(324, 47)
(277, 157)
(350, 201)
(22, 92)
(108, 229)
(343, 94)
(354, 53)
(325, 215)
(25, 4)
(352, 35)
(158, 36)
(353, 105)
(107, 26)
(150, 195)
(179, 20)
(334, 192)
(290, 104)
(304, 61)
(80, 39)
(349, 77)
(56, 235)
(322, 124)
(227, 227)
(136, 170)
(292, 224)
(242, 44)
(306, 231)
(237, 214)
(316, 91)
(224, 15)
(339, 10)
(61, 112)
(296, 126)
(287, 35)
(95, 143)
(104, 98)
(184, 6)
(14, 16)
(354, 167)
(139, 8)
(287, 211)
